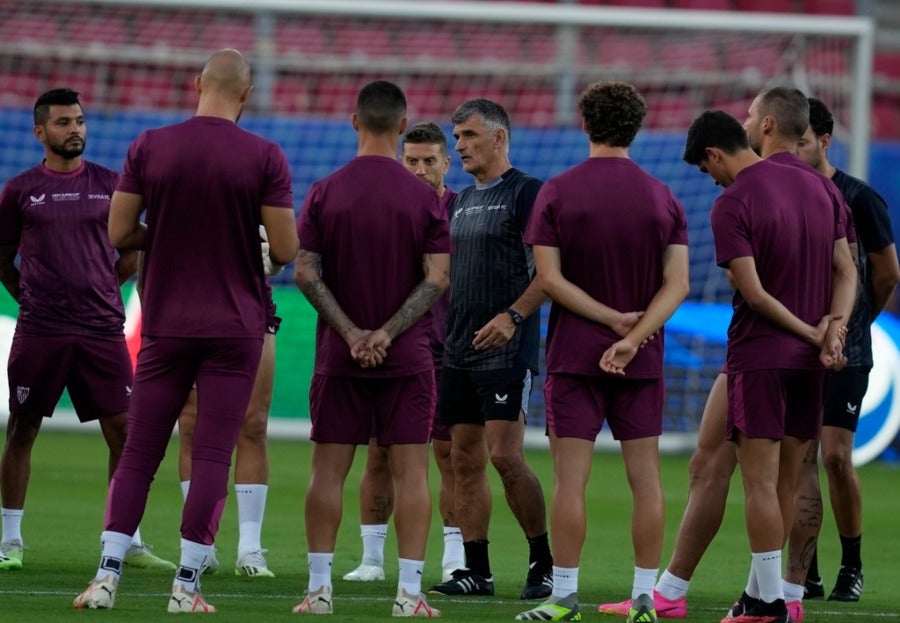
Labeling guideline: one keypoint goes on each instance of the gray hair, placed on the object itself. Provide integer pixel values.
(492, 115)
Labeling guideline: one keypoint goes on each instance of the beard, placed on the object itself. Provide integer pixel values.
(69, 149)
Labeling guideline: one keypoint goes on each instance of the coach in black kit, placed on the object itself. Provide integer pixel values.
(492, 349)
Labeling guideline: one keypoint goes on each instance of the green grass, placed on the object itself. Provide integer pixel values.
(64, 516)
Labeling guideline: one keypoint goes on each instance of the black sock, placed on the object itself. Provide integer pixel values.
(813, 574)
(539, 551)
(477, 557)
(851, 555)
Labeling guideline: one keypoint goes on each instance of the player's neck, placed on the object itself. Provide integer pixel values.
(778, 145)
(58, 164)
(601, 150)
(211, 107)
(440, 189)
(826, 168)
(377, 145)
(494, 171)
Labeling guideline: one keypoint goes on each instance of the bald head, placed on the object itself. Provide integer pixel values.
(227, 74)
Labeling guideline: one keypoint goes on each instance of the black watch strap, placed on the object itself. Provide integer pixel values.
(516, 316)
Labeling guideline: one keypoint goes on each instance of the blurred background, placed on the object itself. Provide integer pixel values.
(134, 63)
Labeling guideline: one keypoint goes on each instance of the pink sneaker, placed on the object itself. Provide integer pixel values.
(795, 609)
(665, 608)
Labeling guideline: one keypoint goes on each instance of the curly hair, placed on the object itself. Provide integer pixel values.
(613, 113)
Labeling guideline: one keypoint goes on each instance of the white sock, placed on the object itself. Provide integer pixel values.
(12, 523)
(671, 586)
(373, 536)
(113, 546)
(193, 555)
(768, 575)
(644, 581)
(792, 592)
(185, 487)
(565, 581)
(319, 570)
(136, 538)
(411, 575)
(752, 589)
(454, 552)
(251, 506)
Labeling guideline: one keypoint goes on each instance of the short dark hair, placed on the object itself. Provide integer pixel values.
(492, 113)
(53, 97)
(613, 112)
(820, 118)
(381, 106)
(790, 109)
(426, 132)
(714, 128)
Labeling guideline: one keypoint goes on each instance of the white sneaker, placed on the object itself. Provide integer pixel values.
(99, 593)
(186, 601)
(408, 605)
(11, 554)
(253, 565)
(447, 572)
(366, 573)
(316, 602)
(211, 565)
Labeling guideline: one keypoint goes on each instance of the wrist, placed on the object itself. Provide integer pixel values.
(516, 317)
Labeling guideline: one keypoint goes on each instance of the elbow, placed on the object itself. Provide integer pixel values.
(284, 254)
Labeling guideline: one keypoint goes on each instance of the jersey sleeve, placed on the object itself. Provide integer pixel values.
(542, 228)
(277, 192)
(308, 222)
(679, 231)
(731, 232)
(525, 202)
(131, 181)
(872, 219)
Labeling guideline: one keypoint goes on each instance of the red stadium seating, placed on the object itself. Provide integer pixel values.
(827, 61)
(143, 89)
(750, 56)
(21, 89)
(886, 119)
(887, 64)
(362, 40)
(418, 41)
(829, 7)
(706, 5)
(534, 107)
(426, 100)
(172, 32)
(337, 96)
(621, 52)
(689, 56)
(485, 43)
(293, 95)
(304, 38)
(227, 34)
(670, 111)
(31, 28)
(628, 3)
(769, 6)
(100, 31)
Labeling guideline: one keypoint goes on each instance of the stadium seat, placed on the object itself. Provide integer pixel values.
(768, 6)
(362, 40)
(759, 56)
(886, 119)
(657, 4)
(535, 107)
(292, 95)
(829, 7)
(29, 28)
(336, 96)
(540, 44)
(621, 52)
(689, 56)
(307, 38)
(426, 100)
(84, 79)
(828, 61)
(21, 89)
(143, 89)
(670, 111)
(98, 31)
(887, 64)
(227, 34)
(705, 5)
(487, 43)
(172, 31)
(418, 41)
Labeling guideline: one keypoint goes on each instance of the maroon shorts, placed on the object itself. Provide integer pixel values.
(772, 404)
(578, 405)
(351, 410)
(96, 372)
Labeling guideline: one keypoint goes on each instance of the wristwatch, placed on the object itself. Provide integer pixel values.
(516, 316)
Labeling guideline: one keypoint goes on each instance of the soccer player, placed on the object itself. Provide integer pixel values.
(424, 153)
(206, 186)
(251, 469)
(492, 350)
(879, 274)
(374, 257)
(70, 327)
(774, 124)
(786, 325)
(596, 368)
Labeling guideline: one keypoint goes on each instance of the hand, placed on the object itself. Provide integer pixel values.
(832, 352)
(356, 340)
(496, 333)
(617, 357)
(821, 329)
(626, 323)
(372, 351)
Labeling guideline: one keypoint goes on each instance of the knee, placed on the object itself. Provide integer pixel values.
(22, 430)
(255, 425)
(508, 465)
(706, 470)
(466, 462)
(838, 463)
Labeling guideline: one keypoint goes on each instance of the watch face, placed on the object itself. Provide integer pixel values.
(516, 316)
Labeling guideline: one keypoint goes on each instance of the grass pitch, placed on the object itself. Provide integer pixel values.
(64, 515)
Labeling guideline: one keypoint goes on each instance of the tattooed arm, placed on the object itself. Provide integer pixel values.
(419, 301)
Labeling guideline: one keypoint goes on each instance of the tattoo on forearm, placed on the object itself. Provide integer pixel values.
(417, 303)
(320, 297)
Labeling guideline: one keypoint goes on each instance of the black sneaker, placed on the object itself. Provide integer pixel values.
(744, 604)
(538, 582)
(762, 612)
(813, 588)
(848, 586)
(464, 582)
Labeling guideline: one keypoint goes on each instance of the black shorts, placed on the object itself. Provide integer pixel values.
(473, 397)
(843, 398)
